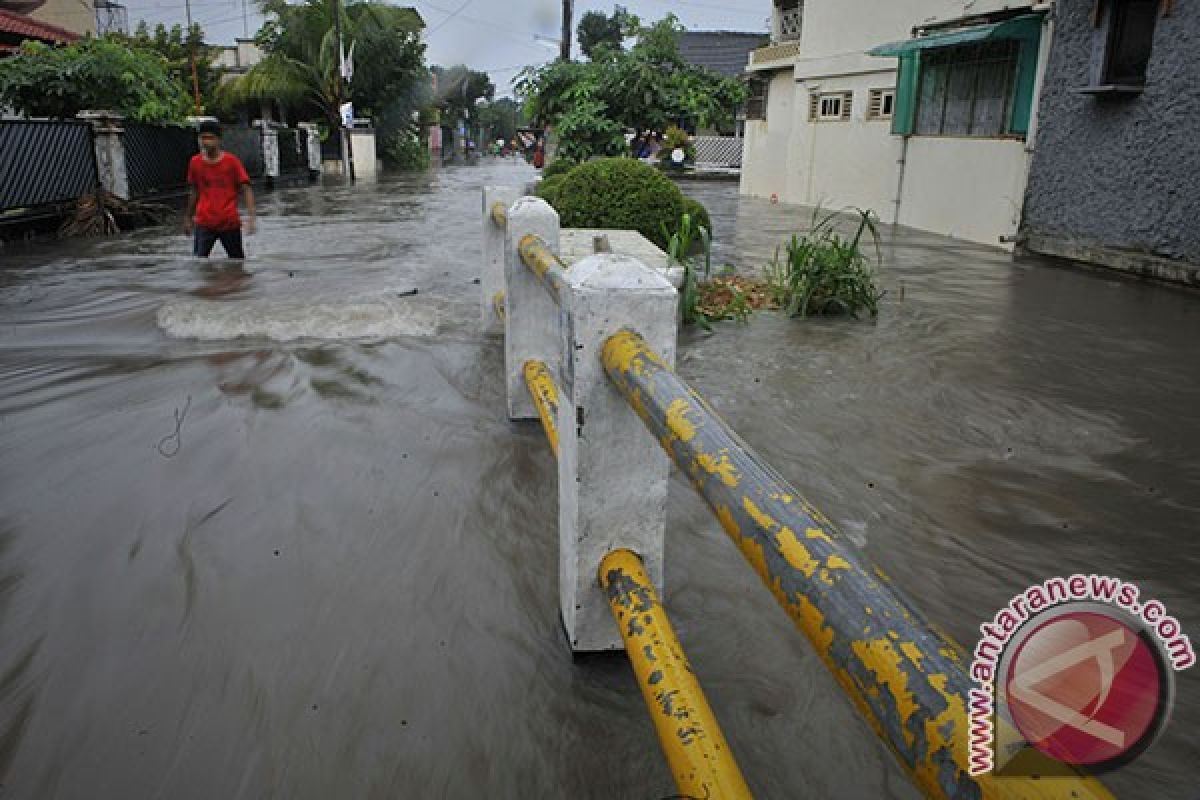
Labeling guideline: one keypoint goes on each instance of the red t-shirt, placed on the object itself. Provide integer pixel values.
(217, 185)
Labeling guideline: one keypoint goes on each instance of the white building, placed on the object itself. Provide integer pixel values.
(237, 59)
(920, 110)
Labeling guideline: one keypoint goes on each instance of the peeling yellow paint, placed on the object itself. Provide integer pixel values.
(721, 467)
(913, 652)
(817, 533)
(677, 422)
(882, 659)
(797, 554)
(837, 562)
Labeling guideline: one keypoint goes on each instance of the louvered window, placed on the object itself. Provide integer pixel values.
(881, 104)
(830, 106)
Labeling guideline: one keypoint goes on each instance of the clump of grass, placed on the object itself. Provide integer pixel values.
(824, 272)
(681, 246)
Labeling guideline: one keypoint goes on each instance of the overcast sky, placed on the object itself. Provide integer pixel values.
(492, 35)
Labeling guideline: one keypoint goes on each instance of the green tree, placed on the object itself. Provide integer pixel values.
(302, 62)
(104, 73)
(459, 90)
(601, 35)
(648, 87)
(177, 49)
(500, 119)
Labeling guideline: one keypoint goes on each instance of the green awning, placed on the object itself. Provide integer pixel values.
(1023, 27)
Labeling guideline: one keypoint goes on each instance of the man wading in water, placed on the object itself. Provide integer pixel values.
(214, 179)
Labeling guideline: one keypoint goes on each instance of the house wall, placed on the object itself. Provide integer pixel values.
(766, 159)
(76, 16)
(844, 163)
(963, 187)
(1118, 173)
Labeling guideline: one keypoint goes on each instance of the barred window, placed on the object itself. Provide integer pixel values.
(756, 103)
(967, 90)
(881, 104)
(1130, 38)
(830, 106)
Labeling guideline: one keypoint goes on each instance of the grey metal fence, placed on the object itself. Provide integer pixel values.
(246, 144)
(157, 156)
(42, 163)
(293, 151)
(720, 151)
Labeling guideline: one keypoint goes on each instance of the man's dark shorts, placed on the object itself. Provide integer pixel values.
(203, 240)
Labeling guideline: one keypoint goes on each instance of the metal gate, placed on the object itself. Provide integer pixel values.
(42, 163)
(157, 156)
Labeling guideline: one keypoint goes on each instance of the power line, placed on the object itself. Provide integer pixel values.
(452, 15)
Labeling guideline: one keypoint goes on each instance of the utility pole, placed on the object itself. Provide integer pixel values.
(568, 14)
(245, 21)
(192, 56)
(347, 145)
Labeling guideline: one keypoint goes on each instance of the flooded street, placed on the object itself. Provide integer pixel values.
(271, 534)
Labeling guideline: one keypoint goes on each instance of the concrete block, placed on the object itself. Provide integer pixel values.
(532, 327)
(612, 474)
(491, 279)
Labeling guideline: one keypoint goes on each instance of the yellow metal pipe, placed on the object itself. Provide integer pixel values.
(545, 398)
(500, 214)
(907, 680)
(538, 256)
(691, 739)
(498, 304)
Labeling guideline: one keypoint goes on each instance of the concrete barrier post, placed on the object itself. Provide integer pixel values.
(108, 139)
(491, 279)
(531, 318)
(612, 478)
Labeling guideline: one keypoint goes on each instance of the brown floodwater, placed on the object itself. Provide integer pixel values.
(269, 534)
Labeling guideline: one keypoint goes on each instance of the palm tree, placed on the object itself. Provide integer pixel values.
(301, 67)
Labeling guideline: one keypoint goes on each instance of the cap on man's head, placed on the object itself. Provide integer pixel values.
(210, 127)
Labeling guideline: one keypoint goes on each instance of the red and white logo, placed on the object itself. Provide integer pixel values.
(1085, 687)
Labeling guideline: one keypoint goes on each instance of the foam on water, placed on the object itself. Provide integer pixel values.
(289, 320)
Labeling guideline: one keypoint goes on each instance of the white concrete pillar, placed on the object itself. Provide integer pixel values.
(612, 474)
(108, 132)
(531, 318)
(491, 278)
(314, 147)
(270, 145)
(366, 161)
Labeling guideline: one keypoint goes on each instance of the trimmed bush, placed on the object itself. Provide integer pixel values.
(622, 194)
(549, 188)
(559, 166)
(698, 213)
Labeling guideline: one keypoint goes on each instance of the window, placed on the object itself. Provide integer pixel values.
(830, 106)
(1126, 35)
(882, 103)
(756, 103)
(967, 90)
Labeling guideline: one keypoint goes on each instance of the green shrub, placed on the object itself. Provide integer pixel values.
(403, 149)
(823, 272)
(623, 194)
(699, 214)
(559, 166)
(549, 188)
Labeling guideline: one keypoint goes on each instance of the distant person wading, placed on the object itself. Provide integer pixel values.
(214, 180)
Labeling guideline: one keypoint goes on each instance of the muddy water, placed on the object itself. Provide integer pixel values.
(317, 561)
